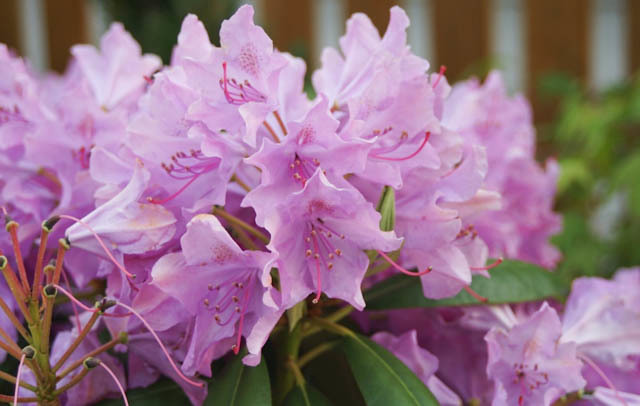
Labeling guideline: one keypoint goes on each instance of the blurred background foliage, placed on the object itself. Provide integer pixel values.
(155, 23)
(595, 139)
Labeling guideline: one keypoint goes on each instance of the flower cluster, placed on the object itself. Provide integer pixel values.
(210, 196)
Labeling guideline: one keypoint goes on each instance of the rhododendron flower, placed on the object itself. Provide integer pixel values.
(127, 222)
(118, 71)
(529, 364)
(228, 290)
(320, 235)
(603, 318)
(485, 115)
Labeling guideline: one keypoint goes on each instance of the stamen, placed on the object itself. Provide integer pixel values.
(164, 349)
(486, 268)
(475, 294)
(75, 309)
(424, 142)
(245, 300)
(102, 244)
(63, 246)
(87, 308)
(15, 392)
(190, 174)
(443, 69)
(12, 228)
(401, 269)
(115, 379)
(242, 92)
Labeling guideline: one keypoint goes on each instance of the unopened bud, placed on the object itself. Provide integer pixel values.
(50, 291)
(29, 352)
(123, 337)
(48, 224)
(3, 261)
(91, 363)
(65, 243)
(105, 304)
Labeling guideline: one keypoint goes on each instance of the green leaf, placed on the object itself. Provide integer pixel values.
(163, 392)
(240, 385)
(382, 378)
(306, 395)
(387, 209)
(510, 282)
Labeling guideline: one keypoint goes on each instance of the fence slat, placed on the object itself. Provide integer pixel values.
(289, 25)
(557, 41)
(9, 30)
(461, 43)
(66, 26)
(378, 11)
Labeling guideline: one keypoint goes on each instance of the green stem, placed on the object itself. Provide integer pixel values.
(85, 330)
(73, 382)
(9, 399)
(12, 379)
(14, 320)
(240, 183)
(49, 302)
(288, 352)
(334, 317)
(315, 352)
(244, 238)
(103, 348)
(332, 327)
(218, 211)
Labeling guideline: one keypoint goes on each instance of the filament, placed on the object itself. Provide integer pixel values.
(102, 244)
(475, 294)
(115, 378)
(401, 269)
(164, 350)
(416, 152)
(15, 393)
(486, 268)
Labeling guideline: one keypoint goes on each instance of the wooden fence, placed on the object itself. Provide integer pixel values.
(597, 41)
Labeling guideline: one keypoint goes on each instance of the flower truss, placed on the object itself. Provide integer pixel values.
(168, 220)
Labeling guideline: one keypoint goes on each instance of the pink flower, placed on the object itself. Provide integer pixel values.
(117, 72)
(529, 364)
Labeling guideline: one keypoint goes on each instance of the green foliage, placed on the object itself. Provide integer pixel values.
(156, 23)
(510, 282)
(240, 385)
(163, 392)
(596, 139)
(306, 395)
(382, 378)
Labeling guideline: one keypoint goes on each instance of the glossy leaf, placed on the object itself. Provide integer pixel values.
(306, 396)
(382, 378)
(510, 282)
(241, 385)
(163, 392)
